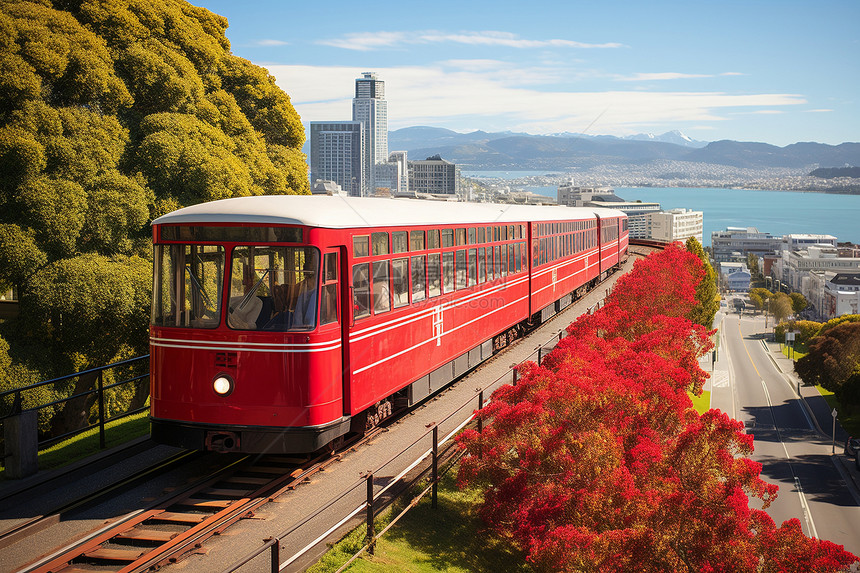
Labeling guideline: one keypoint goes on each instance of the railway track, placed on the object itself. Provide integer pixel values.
(40, 522)
(176, 526)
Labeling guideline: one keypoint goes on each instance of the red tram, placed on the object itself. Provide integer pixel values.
(281, 323)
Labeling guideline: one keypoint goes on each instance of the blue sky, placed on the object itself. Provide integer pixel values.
(757, 70)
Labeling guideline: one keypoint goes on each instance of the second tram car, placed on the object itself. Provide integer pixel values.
(282, 323)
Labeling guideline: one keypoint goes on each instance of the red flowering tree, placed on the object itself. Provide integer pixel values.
(595, 460)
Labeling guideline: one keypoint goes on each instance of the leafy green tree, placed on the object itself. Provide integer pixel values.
(757, 301)
(834, 322)
(805, 329)
(833, 361)
(752, 264)
(798, 302)
(780, 306)
(111, 114)
(706, 290)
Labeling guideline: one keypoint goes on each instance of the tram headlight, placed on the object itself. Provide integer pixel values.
(223, 385)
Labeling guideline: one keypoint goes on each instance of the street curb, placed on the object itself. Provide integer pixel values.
(843, 465)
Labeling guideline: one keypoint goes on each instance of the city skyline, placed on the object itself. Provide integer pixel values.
(774, 72)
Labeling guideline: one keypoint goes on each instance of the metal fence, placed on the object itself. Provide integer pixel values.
(88, 399)
(373, 496)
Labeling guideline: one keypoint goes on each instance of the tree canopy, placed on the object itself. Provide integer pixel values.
(706, 290)
(111, 114)
(833, 361)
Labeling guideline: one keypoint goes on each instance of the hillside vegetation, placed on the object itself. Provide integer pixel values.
(111, 114)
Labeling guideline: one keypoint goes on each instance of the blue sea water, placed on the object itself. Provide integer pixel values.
(774, 212)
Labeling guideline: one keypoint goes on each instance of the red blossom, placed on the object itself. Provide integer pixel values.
(596, 461)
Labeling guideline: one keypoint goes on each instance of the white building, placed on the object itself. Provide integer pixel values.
(799, 241)
(337, 150)
(792, 266)
(735, 243)
(322, 187)
(842, 295)
(675, 225)
(735, 276)
(370, 108)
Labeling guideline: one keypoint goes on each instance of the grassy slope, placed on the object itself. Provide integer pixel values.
(449, 538)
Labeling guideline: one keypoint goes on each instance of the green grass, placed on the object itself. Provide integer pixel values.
(449, 538)
(701, 403)
(86, 444)
(800, 351)
(850, 422)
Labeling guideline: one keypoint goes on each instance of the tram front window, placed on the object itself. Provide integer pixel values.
(273, 288)
(187, 286)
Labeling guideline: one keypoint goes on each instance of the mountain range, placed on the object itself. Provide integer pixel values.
(522, 151)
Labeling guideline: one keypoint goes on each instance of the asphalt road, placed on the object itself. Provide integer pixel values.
(793, 438)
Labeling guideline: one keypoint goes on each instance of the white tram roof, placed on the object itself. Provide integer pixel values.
(339, 212)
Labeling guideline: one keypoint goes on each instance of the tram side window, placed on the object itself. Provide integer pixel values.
(519, 261)
(434, 276)
(461, 237)
(379, 242)
(473, 266)
(433, 239)
(328, 305)
(497, 261)
(416, 240)
(418, 279)
(511, 266)
(448, 272)
(461, 268)
(359, 246)
(399, 241)
(381, 290)
(472, 235)
(482, 235)
(447, 237)
(361, 290)
(400, 282)
(482, 265)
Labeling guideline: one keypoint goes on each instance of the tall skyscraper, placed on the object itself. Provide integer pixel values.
(370, 108)
(337, 154)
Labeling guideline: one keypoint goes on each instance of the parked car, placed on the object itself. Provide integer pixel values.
(852, 446)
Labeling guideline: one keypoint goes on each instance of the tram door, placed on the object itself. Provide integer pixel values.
(331, 311)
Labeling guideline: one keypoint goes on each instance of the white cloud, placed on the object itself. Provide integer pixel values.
(473, 95)
(271, 43)
(366, 41)
(819, 110)
(659, 76)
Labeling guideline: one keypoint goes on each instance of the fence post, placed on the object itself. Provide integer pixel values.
(101, 410)
(21, 433)
(276, 556)
(516, 375)
(480, 421)
(435, 466)
(540, 354)
(560, 333)
(370, 532)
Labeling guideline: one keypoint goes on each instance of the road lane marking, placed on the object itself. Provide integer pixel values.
(804, 505)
